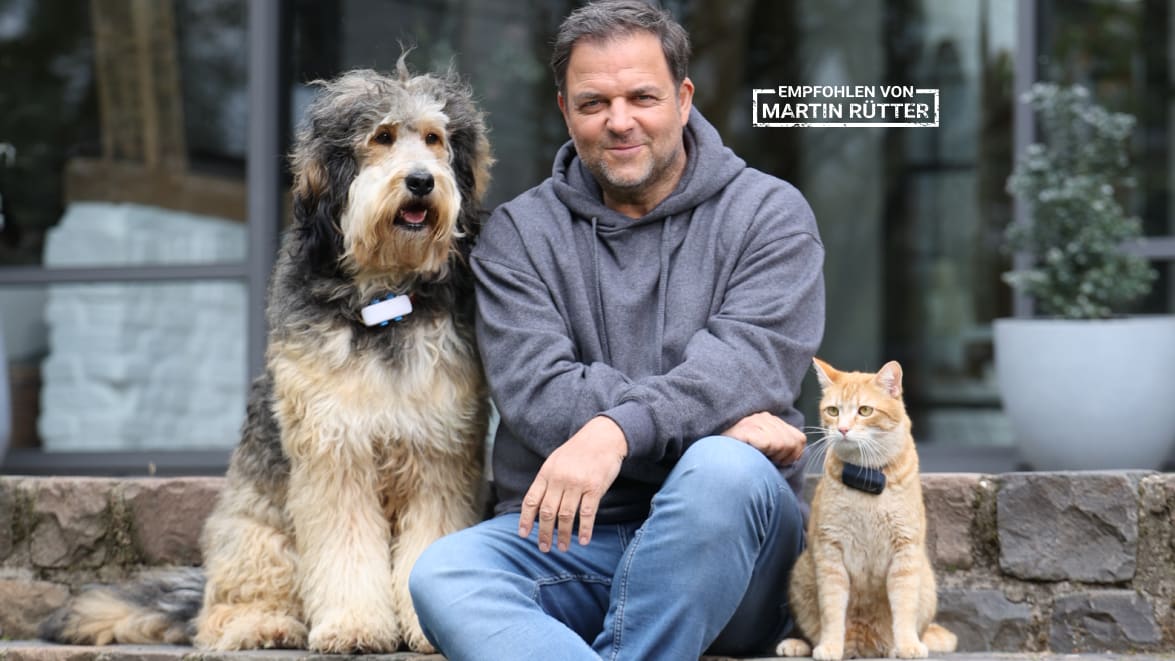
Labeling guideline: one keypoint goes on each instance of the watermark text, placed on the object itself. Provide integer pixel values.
(845, 105)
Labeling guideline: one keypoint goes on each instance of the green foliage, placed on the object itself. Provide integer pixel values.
(1072, 183)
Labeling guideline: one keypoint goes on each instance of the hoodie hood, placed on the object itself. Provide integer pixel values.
(710, 166)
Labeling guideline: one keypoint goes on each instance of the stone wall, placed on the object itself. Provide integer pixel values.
(1061, 562)
(1033, 562)
(57, 534)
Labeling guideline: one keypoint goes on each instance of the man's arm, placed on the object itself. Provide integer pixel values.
(543, 391)
(750, 357)
(780, 442)
(572, 481)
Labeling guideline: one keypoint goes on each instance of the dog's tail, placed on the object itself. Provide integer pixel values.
(156, 608)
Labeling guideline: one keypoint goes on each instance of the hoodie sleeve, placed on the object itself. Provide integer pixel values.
(753, 352)
(542, 390)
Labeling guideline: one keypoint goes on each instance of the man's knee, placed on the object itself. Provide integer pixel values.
(434, 574)
(724, 491)
(718, 477)
(721, 467)
(425, 574)
(462, 563)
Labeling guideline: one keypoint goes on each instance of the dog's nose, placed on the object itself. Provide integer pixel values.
(420, 183)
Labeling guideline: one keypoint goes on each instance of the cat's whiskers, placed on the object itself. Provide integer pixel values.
(874, 453)
(818, 449)
(852, 445)
(865, 447)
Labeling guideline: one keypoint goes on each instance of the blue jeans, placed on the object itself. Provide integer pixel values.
(706, 570)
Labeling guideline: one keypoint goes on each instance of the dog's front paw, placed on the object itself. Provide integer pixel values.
(414, 637)
(410, 627)
(228, 628)
(829, 652)
(911, 650)
(354, 632)
(793, 647)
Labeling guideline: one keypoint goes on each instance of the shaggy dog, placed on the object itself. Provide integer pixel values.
(363, 440)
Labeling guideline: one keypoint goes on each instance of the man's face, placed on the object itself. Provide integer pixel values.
(625, 116)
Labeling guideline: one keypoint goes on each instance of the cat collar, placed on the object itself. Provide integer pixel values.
(869, 480)
(390, 308)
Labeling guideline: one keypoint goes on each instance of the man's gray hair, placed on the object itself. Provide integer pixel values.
(610, 19)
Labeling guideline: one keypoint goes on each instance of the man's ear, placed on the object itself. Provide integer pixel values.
(685, 99)
(563, 110)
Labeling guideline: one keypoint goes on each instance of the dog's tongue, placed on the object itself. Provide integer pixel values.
(414, 216)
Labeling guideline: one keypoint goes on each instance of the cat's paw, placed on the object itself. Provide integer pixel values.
(793, 647)
(914, 650)
(828, 652)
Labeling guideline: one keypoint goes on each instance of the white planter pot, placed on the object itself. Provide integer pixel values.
(1089, 395)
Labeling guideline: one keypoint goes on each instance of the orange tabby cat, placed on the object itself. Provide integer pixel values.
(864, 586)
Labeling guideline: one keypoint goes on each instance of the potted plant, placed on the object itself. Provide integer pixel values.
(1084, 386)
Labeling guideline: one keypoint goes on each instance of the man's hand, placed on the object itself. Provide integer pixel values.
(574, 479)
(769, 434)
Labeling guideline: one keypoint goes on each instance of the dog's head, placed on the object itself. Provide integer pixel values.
(389, 174)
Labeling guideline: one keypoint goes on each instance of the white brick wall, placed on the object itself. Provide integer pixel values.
(136, 365)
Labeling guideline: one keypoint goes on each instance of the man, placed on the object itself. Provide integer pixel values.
(645, 317)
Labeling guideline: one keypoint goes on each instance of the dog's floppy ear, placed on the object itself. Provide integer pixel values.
(322, 177)
(470, 149)
(472, 161)
(471, 164)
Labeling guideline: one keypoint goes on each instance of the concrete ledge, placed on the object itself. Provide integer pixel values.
(37, 651)
(1026, 562)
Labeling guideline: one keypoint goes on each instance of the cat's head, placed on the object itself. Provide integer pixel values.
(862, 413)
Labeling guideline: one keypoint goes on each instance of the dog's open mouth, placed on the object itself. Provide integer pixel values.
(412, 217)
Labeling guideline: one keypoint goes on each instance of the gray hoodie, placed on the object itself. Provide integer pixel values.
(674, 325)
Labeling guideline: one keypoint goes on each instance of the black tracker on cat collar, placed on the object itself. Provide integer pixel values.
(869, 480)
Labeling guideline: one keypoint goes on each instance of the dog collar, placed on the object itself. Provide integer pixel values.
(869, 480)
(390, 308)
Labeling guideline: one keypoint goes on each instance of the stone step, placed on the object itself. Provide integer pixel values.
(38, 651)
(1026, 562)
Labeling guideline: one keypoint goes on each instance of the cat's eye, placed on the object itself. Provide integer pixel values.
(831, 411)
(865, 411)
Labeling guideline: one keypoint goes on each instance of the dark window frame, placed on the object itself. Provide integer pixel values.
(264, 162)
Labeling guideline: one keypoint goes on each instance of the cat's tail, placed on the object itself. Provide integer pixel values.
(156, 608)
(939, 640)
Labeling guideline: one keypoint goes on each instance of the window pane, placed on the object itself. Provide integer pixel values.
(24, 345)
(1122, 52)
(946, 213)
(118, 114)
(125, 366)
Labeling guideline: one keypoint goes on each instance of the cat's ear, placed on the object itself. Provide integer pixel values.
(889, 377)
(825, 373)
